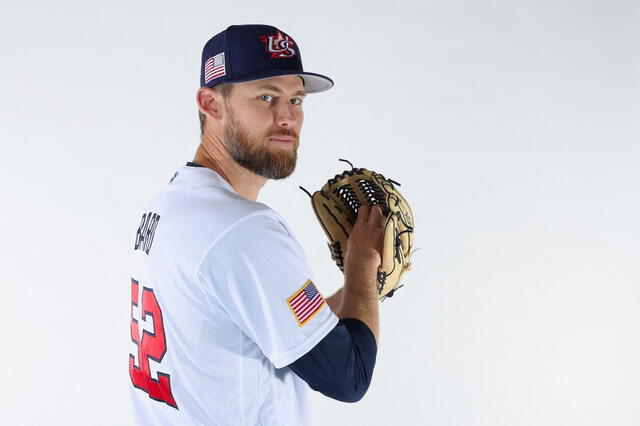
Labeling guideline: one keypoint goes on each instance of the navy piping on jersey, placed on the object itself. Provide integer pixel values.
(193, 164)
(340, 366)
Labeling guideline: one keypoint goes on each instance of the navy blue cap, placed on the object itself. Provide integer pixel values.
(253, 52)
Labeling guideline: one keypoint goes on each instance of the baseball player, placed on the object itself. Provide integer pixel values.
(228, 324)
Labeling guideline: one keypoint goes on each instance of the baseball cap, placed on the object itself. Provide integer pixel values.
(253, 52)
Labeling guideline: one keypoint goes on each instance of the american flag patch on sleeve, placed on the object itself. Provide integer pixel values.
(305, 303)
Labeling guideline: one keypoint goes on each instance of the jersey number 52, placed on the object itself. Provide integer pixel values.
(151, 343)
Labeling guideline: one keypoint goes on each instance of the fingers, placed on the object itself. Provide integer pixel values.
(368, 215)
(376, 217)
(367, 234)
(363, 215)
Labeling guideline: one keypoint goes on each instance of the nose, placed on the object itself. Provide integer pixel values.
(287, 115)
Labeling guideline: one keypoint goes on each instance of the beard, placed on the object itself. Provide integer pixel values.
(258, 156)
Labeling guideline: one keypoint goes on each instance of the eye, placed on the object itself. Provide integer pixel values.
(296, 101)
(266, 98)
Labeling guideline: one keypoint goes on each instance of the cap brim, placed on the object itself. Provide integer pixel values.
(313, 83)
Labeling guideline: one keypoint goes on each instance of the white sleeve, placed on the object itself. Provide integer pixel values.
(258, 274)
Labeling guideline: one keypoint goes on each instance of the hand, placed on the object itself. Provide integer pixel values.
(364, 251)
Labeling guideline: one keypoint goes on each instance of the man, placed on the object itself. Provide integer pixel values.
(227, 324)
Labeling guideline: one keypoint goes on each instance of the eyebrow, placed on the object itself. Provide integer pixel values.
(278, 90)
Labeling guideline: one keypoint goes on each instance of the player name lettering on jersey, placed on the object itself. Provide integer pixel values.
(146, 231)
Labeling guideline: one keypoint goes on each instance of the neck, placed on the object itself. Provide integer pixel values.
(213, 155)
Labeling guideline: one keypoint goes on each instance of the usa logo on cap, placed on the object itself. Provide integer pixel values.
(279, 45)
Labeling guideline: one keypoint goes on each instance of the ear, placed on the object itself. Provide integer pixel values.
(210, 102)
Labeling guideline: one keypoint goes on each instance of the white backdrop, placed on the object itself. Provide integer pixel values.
(512, 125)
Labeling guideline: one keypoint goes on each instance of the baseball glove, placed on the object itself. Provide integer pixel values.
(336, 207)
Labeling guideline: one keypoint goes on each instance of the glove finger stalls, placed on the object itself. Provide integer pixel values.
(388, 273)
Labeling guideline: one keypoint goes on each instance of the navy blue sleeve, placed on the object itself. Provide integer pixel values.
(340, 366)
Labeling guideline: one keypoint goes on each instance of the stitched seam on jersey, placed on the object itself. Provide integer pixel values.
(243, 411)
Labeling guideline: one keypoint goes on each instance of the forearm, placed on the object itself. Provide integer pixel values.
(366, 310)
(362, 260)
(360, 304)
(335, 301)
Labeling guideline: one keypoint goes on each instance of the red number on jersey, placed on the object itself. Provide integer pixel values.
(152, 345)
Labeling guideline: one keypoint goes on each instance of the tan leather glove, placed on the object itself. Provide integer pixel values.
(336, 207)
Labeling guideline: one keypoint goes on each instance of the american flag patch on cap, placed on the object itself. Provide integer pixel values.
(214, 67)
(305, 303)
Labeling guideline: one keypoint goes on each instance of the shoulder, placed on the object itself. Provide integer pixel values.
(260, 229)
(198, 209)
(209, 208)
(199, 191)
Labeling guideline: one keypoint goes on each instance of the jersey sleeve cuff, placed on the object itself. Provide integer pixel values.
(307, 345)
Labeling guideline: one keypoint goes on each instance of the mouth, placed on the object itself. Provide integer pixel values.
(283, 141)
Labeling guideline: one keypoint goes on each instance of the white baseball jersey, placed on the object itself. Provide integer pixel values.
(222, 300)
